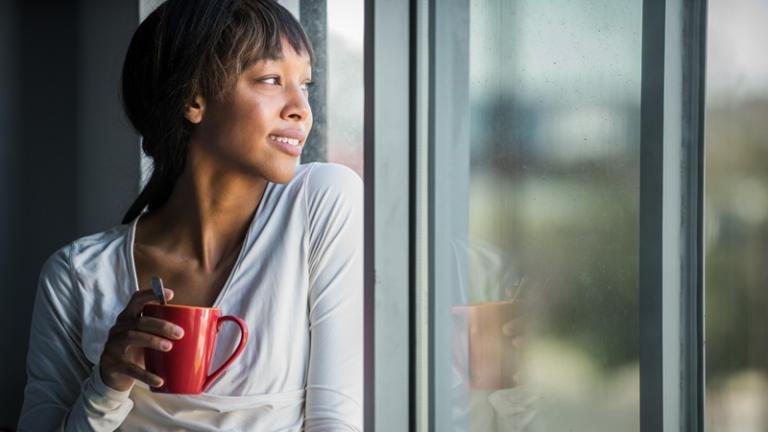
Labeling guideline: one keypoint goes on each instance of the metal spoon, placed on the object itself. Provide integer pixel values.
(157, 287)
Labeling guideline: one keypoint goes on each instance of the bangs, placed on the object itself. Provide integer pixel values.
(256, 31)
(267, 34)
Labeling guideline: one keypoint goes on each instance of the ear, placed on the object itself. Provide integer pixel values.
(195, 110)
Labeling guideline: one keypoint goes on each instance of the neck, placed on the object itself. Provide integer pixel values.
(207, 215)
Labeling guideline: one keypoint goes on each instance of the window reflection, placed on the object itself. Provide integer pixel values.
(545, 333)
(737, 217)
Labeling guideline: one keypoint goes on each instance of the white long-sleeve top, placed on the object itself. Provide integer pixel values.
(298, 285)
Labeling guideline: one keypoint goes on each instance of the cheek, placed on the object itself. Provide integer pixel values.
(259, 113)
(250, 119)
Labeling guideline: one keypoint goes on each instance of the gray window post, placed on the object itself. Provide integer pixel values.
(671, 195)
(387, 213)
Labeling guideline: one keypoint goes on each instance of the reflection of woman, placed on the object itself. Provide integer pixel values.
(218, 89)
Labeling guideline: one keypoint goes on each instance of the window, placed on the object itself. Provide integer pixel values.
(336, 31)
(555, 214)
(737, 217)
(537, 276)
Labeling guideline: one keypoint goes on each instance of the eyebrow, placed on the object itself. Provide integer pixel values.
(308, 63)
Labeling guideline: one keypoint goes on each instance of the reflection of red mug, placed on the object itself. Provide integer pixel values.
(184, 369)
(481, 349)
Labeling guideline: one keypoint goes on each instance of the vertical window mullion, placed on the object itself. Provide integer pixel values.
(387, 218)
(694, 66)
(449, 191)
(651, 193)
(671, 187)
(420, 177)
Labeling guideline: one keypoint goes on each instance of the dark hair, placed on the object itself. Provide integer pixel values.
(187, 48)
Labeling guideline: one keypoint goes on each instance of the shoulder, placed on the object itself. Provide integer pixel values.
(58, 266)
(82, 286)
(331, 192)
(84, 252)
(321, 178)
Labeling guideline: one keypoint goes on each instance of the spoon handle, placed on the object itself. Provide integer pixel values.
(157, 287)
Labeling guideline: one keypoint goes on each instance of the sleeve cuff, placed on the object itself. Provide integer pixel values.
(104, 391)
(99, 407)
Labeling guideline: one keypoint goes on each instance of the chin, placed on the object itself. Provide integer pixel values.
(281, 174)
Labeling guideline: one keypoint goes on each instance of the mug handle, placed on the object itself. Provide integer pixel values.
(240, 346)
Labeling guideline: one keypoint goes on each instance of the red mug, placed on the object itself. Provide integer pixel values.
(184, 369)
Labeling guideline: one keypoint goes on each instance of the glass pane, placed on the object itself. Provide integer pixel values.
(336, 31)
(345, 83)
(545, 327)
(736, 275)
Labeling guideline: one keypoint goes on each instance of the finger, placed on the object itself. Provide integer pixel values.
(518, 342)
(168, 294)
(135, 304)
(122, 325)
(159, 327)
(132, 371)
(138, 300)
(138, 339)
(512, 328)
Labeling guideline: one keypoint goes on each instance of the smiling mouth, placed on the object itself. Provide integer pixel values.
(289, 146)
(291, 141)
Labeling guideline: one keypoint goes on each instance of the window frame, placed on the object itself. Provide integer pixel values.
(671, 216)
(386, 132)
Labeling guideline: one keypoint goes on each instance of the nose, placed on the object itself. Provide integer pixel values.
(296, 106)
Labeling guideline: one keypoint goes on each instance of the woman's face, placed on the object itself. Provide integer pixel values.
(261, 127)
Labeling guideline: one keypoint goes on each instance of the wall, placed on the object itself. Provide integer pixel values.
(68, 157)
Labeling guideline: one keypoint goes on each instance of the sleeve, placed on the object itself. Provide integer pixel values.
(335, 377)
(64, 391)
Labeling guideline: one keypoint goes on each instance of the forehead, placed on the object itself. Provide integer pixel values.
(287, 57)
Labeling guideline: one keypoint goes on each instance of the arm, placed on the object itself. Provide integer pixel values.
(335, 376)
(64, 390)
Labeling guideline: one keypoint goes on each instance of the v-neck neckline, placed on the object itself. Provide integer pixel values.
(131, 240)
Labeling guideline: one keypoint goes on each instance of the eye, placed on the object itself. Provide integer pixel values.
(307, 85)
(271, 80)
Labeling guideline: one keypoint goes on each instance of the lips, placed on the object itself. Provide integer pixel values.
(286, 145)
(290, 141)
(295, 134)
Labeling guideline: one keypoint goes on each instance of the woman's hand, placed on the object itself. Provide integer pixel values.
(122, 360)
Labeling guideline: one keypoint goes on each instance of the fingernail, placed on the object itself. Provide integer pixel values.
(168, 292)
(165, 345)
(178, 331)
(157, 382)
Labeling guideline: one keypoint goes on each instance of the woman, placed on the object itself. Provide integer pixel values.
(219, 91)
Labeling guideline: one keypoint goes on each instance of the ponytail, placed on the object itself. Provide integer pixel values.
(169, 159)
(156, 193)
